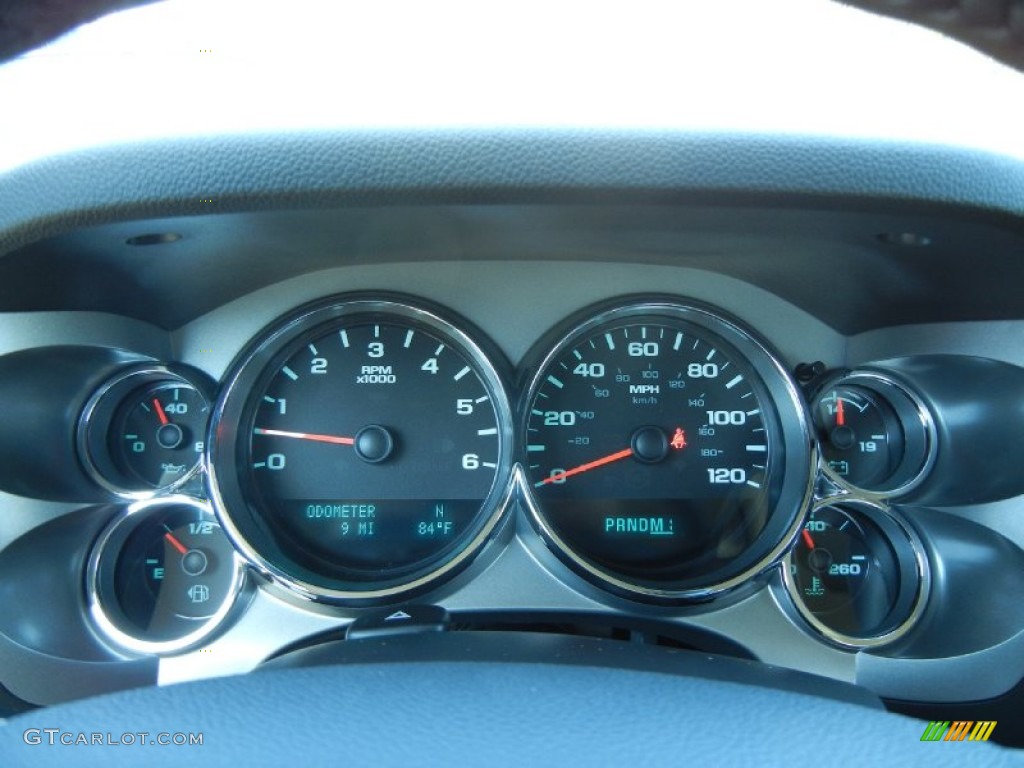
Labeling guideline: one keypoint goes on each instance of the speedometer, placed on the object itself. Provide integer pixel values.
(667, 452)
(362, 449)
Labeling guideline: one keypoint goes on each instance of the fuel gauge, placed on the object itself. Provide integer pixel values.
(163, 576)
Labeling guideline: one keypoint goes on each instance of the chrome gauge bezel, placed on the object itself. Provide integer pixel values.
(106, 550)
(910, 550)
(909, 408)
(96, 420)
(798, 449)
(225, 488)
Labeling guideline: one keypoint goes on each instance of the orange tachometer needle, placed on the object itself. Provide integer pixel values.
(808, 540)
(585, 467)
(175, 543)
(840, 414)
(160, 412)
(305, 436)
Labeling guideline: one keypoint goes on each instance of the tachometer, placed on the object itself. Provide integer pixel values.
(362, 449)
(667, 453)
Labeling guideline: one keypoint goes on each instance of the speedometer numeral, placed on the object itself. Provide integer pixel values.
(643, 349)
(726, 475)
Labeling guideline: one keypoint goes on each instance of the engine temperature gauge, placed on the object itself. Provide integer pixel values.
(857, 574)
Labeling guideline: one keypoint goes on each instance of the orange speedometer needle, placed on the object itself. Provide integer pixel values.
(175, 543)
(559, 476)
(160, 412)
(840, 414)
(808, 540)
(305, 436)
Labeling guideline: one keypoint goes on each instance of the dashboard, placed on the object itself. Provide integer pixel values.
(648, 379)
(774, 424)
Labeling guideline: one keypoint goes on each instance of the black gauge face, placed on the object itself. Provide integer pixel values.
(654, 451)
(847, 573)
(860, 435)
(370, 450)
(872, 435)
(157, 434)
(143, 432)
(163, 574)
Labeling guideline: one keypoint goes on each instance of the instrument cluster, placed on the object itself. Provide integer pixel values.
(365, 448)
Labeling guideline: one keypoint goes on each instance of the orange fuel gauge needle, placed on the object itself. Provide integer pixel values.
(807, 539)
(175, 543)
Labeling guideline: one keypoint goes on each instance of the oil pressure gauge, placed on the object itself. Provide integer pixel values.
(143, 432)
(875, 435)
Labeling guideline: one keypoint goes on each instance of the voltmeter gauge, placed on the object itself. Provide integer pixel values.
(143, 432)
(857, 574)
(875, 435)
(163, 576)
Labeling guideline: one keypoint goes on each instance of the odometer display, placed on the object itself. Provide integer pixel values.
(656, 457)
(371, 452)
